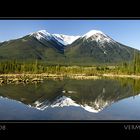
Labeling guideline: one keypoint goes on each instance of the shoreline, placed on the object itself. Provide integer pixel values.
(39, 78)
(73, 76)
(121, 76)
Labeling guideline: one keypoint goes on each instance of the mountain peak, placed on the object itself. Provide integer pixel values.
(91, 33)
(98, 36)
(43, 32)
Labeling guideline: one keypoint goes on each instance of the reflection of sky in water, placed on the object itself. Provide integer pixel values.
(128, 108)
(110, 100)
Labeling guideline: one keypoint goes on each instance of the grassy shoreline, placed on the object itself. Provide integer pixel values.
(35, 78)
(45, 75)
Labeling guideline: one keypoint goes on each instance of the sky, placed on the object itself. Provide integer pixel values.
(126, 32)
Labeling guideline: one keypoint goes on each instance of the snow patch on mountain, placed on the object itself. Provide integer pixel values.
(65, 39)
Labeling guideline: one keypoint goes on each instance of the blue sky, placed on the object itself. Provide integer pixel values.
(123, 31)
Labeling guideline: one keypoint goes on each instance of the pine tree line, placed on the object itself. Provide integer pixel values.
(36, 66)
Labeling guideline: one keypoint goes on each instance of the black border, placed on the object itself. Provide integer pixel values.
(70, 126)
(71, 129)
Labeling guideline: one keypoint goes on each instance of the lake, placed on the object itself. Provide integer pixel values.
(100, 99)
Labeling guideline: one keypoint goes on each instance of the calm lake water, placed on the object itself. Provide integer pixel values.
(102, 99)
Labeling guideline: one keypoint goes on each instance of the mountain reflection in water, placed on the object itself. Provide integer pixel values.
(91, 95)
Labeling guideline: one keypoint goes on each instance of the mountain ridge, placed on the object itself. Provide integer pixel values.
(92, 47)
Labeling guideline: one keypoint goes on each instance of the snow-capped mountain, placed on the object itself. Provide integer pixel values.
(98, 36)
(90, 48)
(96, 46)
(44, 35)
(65, 39)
